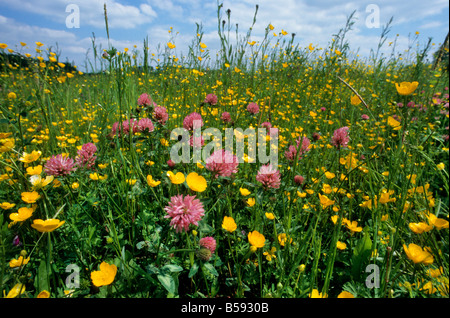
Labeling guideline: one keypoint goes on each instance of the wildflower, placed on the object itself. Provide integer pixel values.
(43, 294)
(418, 255)
(298, 179)
(253, 108)
(95, 176)
(226, 117)
(48, 225)
(340, 137)
(406, 88)
(251, 202)
(345, 294)
(22, 214)
(256, 240)
(355, 100)
(353, 226)
(34, 170)
(86, 158)
(439, 223)
(6, 144)
(211, 99)
(160, 114)
(315, 294)
(125, 127)
(177, 178)
(152, 183)
(105, 276)
(229, 224)
(222, 163)
(325, 201)
(270, 254)
(204, 254)
(59, 166)
(12, 95)
(291, 154)
(18, 262)
(7, 205)
(269, 215)
(420, 227)
(269, 176)
(30, 197)
(283, 238)
(171, 45)
(184, 211)
(145, 100)
(244, 191)
(193, 120)
(145, 125)
(29, 158)
(440, 166)
(208, 243)
(394, 123)
(16, 290)
(196, 182)
(365, 117)
(341, 245)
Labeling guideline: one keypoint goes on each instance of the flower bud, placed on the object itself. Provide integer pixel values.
(204, 254)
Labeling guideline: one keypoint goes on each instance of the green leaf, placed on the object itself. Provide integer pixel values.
(172, 268)
(168, 282)
(193, 271)
(361, 254)
(211, 269)
(43, 276)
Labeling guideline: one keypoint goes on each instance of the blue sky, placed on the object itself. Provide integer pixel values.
(131, 21)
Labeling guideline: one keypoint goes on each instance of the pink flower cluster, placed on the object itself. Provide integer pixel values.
(160, 114)
(191, 120)
(208, 242)
(223, 163)
(59, 165)
(253, 108)
(269, 176)
(143, 125)
(211, 99)
(145, 100)
(340, 137)
(86, 158)
(291, 153)
(184, 211)
(226, 117)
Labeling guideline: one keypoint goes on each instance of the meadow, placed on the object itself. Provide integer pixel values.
(92, 204)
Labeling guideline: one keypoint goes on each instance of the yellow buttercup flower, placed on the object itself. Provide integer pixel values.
(251, 202)
(16, 290)
(18, 262)
(152, 183)
(7, 205)
(355, 100)
(229, 224)
(325, 201)
(283, 238)
(105, 276)
(341, 245)
(256, 239)
(244, 191)
(394, 123)
(46, 226)
(30, 197)
(420, 227)
(22, 214)
(353, 226)
(177, 178)
(270, 216)
(30, 157)
(34, 170)
(345, 294)
(406, 88)
(418, 255)
(44, 294)
(315, 294)
(196, 182)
